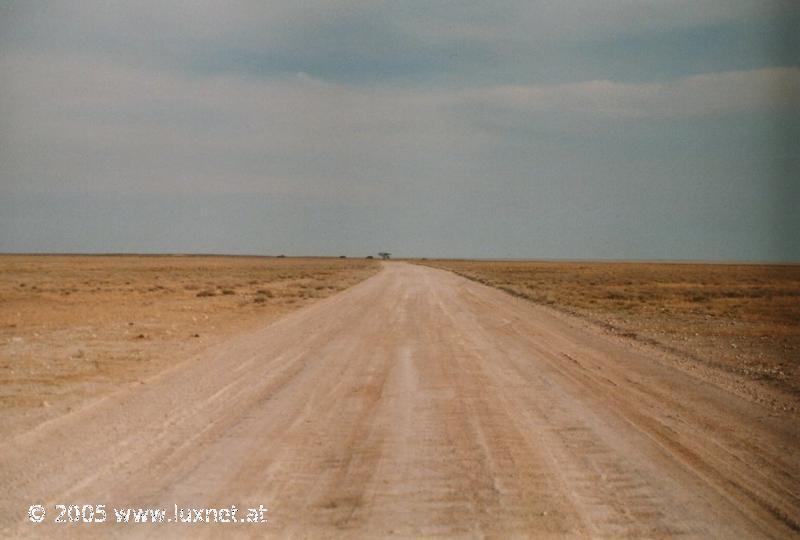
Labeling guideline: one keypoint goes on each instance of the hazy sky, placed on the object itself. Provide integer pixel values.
(665, 129)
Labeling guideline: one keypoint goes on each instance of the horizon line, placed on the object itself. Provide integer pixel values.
(403, 258)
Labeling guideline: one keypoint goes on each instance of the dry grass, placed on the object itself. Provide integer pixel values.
(72, 327)
(744, 319)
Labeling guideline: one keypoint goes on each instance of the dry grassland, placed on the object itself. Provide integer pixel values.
(741, 319)
(76, 327)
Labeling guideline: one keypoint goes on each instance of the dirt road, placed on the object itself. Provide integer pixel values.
(418, 403)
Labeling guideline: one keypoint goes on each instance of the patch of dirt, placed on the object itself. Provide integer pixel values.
(742, 319)
(76, 327)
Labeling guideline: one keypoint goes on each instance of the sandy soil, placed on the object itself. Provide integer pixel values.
(738, 324)
(74, 328)
(419, 403)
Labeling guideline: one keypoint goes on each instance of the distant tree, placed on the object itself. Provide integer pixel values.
(384, 255)
(281, 256)
(342, 256)
(370, 257)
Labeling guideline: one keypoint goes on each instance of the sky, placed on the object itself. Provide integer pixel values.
(570, 129)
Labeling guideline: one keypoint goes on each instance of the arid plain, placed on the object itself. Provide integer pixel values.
(364, 399)
(76, 327)
(738, 324)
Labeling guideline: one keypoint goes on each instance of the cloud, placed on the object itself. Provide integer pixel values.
(82, 122)
(701, 95)
(509, 41)
(78, 122)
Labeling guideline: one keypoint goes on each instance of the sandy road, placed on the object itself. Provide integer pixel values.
(419, 403)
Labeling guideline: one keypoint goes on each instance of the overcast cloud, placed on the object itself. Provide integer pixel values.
(572, 129)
